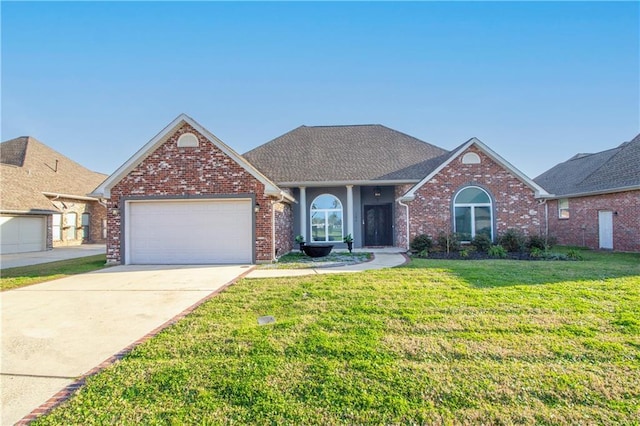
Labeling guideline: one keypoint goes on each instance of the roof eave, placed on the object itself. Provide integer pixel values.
(104, 190)
(538, 190)
(591, 193)
(318, 184)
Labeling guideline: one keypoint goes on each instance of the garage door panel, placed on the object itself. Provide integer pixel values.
(21, 234)
(191, 232)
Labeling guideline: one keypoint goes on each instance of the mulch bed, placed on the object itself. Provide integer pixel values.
(476, 256)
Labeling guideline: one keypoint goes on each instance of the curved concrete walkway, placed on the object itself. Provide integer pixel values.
(382, 258)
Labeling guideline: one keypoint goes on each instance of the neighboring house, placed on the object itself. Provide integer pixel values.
(596, 199)
(186, 197)
(44, 201)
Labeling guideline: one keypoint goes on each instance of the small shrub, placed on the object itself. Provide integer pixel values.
(448, 242)
(464, 253)
(482, 242)
(423, 254)
(536, 242)
(537, 253)
(513, 240)
(421, 243)
(574, 254)
(497, 251)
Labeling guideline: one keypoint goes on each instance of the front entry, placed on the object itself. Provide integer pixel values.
(378, 228)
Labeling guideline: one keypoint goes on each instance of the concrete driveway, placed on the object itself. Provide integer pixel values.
(54, 332)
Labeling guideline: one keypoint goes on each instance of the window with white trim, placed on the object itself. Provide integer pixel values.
(188, 140)
(326, 219)
(473, 211)
(563, 208)
(72, 224)
(56, 227)
(471, 158)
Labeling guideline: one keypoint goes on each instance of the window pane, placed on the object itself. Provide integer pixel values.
(326, 202)
(57, 227)
(472, 195)
(483, 221)
(335, 227)
(463, 222)
(71, 224)
(318, 232)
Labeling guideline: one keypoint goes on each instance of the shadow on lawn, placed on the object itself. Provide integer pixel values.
(598, 266)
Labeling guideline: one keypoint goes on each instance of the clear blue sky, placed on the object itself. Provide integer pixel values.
(537, 82)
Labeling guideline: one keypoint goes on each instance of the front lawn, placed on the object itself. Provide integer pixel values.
(33, 274)
(435, 342)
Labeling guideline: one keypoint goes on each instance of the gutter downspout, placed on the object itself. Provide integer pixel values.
(407, 224)
(273, 226)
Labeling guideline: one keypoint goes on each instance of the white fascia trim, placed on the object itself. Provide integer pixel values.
(591, 193)
(539, 191)
(104, 190)
(322, 184)
(74, 197)
(34, 212)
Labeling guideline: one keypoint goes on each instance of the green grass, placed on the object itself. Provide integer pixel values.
(34, 274)
(434, 342)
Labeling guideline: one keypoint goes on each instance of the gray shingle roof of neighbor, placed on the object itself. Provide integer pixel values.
(344, 153)
(608, 170)
(29, 168)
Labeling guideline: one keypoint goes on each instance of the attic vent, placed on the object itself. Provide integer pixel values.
(471, 158)
(188, 140)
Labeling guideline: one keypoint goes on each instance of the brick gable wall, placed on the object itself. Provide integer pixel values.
(176, 171)
(514, 203)
(582, 229)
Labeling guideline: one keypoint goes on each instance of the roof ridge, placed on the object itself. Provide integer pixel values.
(344, 125)
(597, 169)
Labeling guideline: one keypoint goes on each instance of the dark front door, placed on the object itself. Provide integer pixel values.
(377, 225)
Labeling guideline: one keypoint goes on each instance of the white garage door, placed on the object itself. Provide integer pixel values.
(21, 234)
(183, 232)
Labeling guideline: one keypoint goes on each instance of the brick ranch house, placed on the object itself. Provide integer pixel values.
(596, 199)
(43, 199)
(186, 197)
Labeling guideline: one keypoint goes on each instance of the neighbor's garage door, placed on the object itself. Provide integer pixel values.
(190, 232)
(21, 234)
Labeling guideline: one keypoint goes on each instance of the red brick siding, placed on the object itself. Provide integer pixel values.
(69, 205)
(175, 171)
(283, 228)
(581, 228)
(514, 205)
(400, 219)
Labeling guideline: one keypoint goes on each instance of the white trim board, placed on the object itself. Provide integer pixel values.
(104, 190)
(539, 191)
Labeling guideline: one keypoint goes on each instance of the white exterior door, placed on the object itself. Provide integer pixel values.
(209, 231)
(605, 229)
(21, 234)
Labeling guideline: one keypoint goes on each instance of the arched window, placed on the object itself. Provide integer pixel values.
(326, 219)
(473, 213)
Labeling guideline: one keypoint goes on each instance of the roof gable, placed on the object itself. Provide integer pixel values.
(353, 153)
(104, 189)
(457, 152)
(610, 170)
(31, 169)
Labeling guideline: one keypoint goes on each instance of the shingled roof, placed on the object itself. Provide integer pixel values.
(29, 169)
(357, 153)
(606, 171)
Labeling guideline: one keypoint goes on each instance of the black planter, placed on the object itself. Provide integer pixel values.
(301, 247)
(350, 246)
(317, 250)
